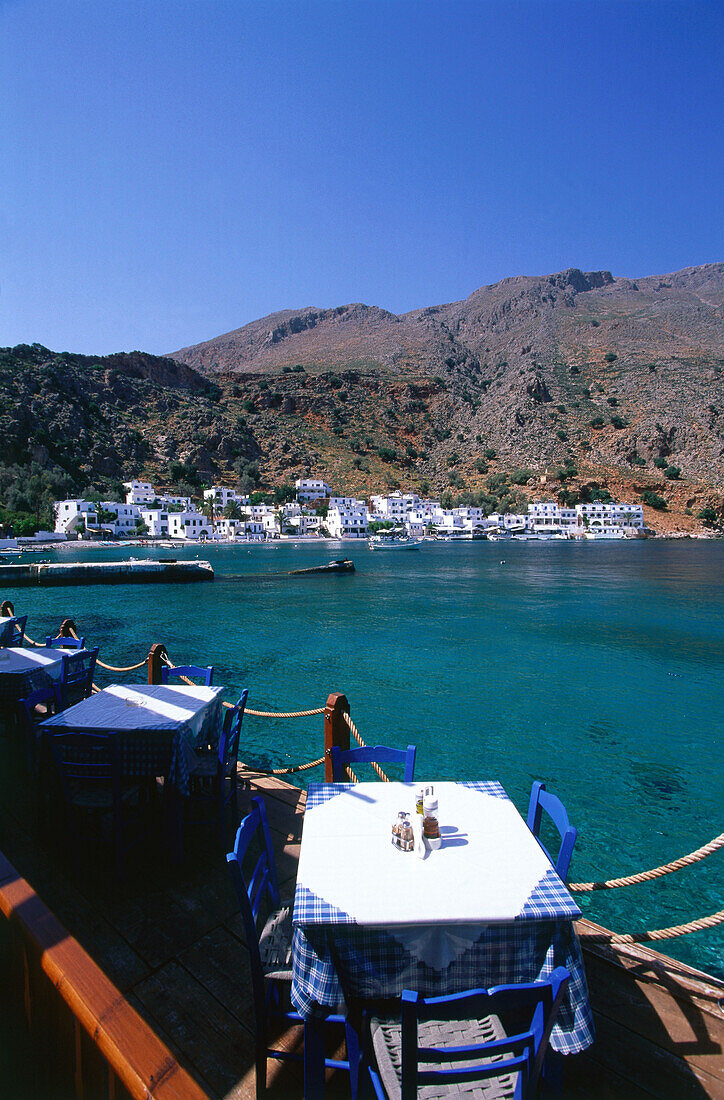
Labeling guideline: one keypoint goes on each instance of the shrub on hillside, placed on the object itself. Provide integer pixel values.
(653, 500)
(672, 472)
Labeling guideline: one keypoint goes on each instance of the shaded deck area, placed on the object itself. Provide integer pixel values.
(172, 943)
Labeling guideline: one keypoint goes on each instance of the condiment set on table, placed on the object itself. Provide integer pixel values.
(425, 834)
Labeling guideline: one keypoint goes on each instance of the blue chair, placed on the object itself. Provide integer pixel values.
(32, 710)
(453, 1043)
(540, 800)
(254, 874)
(89, 772)
(76, 678)
(206, 675)
(64, 642)
(12, 631)
(214, 777)
(379, 754)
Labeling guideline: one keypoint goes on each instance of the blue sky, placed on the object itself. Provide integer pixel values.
(172, 170)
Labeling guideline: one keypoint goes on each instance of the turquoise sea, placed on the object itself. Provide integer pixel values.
(598, 667)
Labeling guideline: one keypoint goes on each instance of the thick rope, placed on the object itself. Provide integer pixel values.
(655, 872)
(660, 933)
(113, 668)
(358, 738)
(286, 771)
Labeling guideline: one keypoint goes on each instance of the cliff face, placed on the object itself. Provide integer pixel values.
(609, 370)
(578, 376)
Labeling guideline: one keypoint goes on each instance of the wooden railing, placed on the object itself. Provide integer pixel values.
(87, 1040)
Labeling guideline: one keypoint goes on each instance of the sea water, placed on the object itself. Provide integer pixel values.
(596, 667)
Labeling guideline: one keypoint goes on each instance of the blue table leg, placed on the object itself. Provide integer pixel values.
(313, 1058)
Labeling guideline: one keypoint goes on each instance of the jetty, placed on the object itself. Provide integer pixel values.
(164, 570)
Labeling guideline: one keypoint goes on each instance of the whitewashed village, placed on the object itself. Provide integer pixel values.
(229, 516)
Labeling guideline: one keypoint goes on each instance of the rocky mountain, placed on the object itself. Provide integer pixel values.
(589, 382)
(579, 366)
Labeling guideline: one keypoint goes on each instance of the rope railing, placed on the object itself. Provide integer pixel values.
(293, 768)
(714, 845)
(363, 744)
(659, 933)
(113, 668)
(655, 872)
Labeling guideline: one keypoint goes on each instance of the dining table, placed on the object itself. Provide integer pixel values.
(160, 728)
(24, 670)
(485, 908)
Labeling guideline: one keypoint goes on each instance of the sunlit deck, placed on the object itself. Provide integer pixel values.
(172, 944)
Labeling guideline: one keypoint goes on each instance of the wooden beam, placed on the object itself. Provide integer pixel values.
(142, 1063)
(336, 730)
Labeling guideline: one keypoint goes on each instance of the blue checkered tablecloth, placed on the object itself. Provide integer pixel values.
(150, 741)
(23, 671)
(377, 963)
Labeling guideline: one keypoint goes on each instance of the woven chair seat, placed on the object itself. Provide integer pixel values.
(275, 944)
(386, 1042)
(100, 798)
(207, 765)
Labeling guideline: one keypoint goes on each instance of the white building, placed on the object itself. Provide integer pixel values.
(75, 516)
(309, 488)
(347, 523)
(346, 502)
(188, 525)
(139, 492)
(222, 496)
(126, 515)
(156, 520)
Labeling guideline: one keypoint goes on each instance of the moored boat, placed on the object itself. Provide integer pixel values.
(393, 542)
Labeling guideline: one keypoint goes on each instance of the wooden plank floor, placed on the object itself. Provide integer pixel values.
(172, 941)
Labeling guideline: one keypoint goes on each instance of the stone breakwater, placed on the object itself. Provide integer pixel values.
(117, 572)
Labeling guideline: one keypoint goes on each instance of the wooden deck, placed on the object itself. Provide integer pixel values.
(172, 943)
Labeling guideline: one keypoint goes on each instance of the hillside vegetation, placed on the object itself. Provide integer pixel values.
(596, 383)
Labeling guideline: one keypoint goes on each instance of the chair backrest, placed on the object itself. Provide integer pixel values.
(229, 740)
(86, 759)
(63, 642)
(379, 754)
(253, 871)
(191, 672)
(12, 631)
(76, 679)
(533, 1008)
(47, 697)
(540, 800)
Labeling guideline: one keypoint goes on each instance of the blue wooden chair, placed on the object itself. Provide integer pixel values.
(12, 631)
(191, 672)
(76, 678)
(99, 804)
(495, 1039)
(268, 932)
(64, 642)
(540, 800)
(214, 777)
(379, 754)
(32, 710)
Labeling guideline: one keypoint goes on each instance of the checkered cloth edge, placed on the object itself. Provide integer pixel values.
(375, 965)
(549, 900)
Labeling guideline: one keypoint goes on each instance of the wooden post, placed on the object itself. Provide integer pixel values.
(68, 629)
(6, 608)
(155, 662)
(336, 730)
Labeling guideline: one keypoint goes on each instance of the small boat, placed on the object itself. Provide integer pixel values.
(343, 565)
(393, 542)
